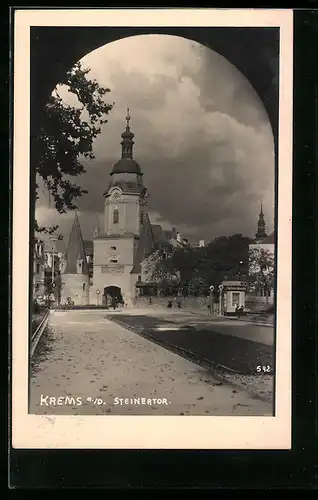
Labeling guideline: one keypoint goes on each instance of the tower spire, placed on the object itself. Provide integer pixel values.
(127, 143)
(127, 118)
(261, 225)
(75, 253)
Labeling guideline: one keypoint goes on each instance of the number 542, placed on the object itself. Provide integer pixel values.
(264, 369)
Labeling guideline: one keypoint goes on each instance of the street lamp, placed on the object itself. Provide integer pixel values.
(211, 288)
(220, 299)
(53, 239)
(239, 275)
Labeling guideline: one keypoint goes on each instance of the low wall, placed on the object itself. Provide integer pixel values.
(258, 304)
(186, 302)
(253, 304)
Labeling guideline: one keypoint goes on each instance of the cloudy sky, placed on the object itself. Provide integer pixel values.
(202, 138)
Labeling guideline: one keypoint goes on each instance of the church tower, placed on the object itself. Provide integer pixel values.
(125, 216)
(75, 272)
(125, 197)
(261, 226)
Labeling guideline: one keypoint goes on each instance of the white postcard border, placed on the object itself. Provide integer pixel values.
(143, 432)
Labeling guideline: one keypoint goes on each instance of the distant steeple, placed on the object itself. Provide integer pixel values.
(261, 226)
(75, 254)
(127, 143)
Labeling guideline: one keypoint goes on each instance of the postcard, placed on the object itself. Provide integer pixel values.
(152, 229)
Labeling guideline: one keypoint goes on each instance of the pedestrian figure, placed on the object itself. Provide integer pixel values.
(169, 304)
(114, 303)
(179, 304)
(239, 311)
(150, 300)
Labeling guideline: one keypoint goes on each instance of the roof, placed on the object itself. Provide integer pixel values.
(158, 234)
(146, 243)
(75, 250)
(126, 165)
(126, 186)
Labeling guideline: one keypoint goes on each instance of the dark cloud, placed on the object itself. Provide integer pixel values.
(202, 136)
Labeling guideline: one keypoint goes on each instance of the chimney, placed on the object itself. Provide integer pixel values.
(179, 239)
(201, 243)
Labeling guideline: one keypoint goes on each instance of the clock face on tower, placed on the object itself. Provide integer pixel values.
(115, 194)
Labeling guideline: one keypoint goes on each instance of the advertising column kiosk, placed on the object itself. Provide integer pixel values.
(234, 297)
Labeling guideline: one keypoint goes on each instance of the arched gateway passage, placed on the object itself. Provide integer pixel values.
(112, 296)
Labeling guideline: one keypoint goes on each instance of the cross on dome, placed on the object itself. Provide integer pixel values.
(128, 117)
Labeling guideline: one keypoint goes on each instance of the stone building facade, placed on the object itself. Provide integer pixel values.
(111, 265)
(75, 281)
(39, 269)
(93, 272)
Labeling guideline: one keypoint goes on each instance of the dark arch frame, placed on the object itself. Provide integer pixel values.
(254, 51)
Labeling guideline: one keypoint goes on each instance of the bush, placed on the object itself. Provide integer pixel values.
(270, 309)
(36, 308)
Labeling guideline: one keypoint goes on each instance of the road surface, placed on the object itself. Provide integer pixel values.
(236, 344)
(94, 366)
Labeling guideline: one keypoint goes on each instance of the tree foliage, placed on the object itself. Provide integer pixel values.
(66, 137)
(197, 286)
(261, 269)
(158, 267)
(226, 257)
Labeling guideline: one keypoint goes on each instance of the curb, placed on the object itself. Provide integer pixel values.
(36, 337)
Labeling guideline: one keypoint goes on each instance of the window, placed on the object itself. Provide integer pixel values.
(37, 268)
(113, 248)
(83, 286)
(235, 299)
(141, 217)
(113, 261)
(116, 216)
(139, 279)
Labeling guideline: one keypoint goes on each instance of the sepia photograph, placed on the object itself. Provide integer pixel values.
(157, 231)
